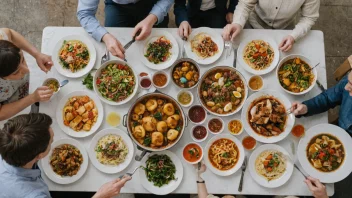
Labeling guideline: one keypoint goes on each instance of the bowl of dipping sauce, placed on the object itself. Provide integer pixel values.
(160, 79)
(53, 84)
(113, 119)
(256, 83)
(197, 114)
(145, 82)
(298, 130)
(249, 143)
(199, 133)
(192, 153)
(215, 125)
(185, 98)
(235, 127)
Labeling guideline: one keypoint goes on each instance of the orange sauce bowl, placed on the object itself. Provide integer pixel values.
(249, 143)
(192, 153)
(235, 127)
(298, 130)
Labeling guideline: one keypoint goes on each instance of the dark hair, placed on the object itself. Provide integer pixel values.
(10, 58)
(24, 137)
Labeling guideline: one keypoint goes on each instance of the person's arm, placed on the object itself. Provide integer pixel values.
(242, 11)
(86, 11)
(309, 14)
(232, 6)
(180, 11)
(111, 189)
(161, 8)
(316, 187)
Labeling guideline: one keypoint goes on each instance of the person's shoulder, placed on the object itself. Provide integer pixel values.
(4, 33)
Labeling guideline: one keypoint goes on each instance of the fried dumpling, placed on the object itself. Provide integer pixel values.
(157, 139)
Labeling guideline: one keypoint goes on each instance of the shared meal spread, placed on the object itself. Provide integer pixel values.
(66, 160)
(111, 150)
(74, 55)
(204, 46)
(185, 74)
(159, 50)
(270, 164)
(80, 113)
(258, 54)
(223, 154)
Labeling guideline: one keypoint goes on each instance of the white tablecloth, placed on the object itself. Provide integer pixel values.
(311, 46)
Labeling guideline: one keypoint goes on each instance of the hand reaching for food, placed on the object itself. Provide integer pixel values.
(299, 108)
(114, 46)
(202, 169)
(287, 43)
(112, 188)
(316, 187)
(42, 94)
(44, 62)
(231, 31)
(145, 26)
(184, 30)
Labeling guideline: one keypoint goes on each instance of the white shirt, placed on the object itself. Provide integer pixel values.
(207, 5)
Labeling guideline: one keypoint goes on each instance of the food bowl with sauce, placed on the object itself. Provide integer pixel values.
(249, 143)
(216, 125)
(256, 83)
(235, 127)
(192, 153)
(298, 131)
(185, 73)
(185, 98)
(197, 114)
(53, 84)
(199, 133)
(145, 82)
(160, 79)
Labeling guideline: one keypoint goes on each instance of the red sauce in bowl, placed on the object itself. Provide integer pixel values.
(249, 142)
(196, 114)
(298, 130)
(146, 83)
(192, 153)
(199, 132)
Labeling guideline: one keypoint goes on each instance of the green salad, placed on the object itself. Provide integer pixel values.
(159, 50)
(116, 82)
(160, 170)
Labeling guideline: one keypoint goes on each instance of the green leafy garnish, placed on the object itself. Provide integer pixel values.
(158, 116)
(88, 81)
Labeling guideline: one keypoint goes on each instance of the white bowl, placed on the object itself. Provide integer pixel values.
(167, 79)
(240, 132)
(201, 122)
(192, 98)
(305, 59)
(222, 128)
(195, 139)
(145, 77)
(49, 79)
(201, 157)
(250, 81)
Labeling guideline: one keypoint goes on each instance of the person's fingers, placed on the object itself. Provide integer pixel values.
(142, 34)
(180, 31)
(185, 31)
(43, 88)
(112, 50)
(135, 30)
(45, 92)
(126, 178)
(315, 181)
(225, 34)
(119, 53)
(233, 36)
(285, 47)
(310, 185)
(289, 47)
(282, 43)
(119, 45)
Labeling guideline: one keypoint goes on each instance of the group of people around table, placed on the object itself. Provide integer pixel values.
(25, 139)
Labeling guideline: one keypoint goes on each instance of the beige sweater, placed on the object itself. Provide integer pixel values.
(278, 14)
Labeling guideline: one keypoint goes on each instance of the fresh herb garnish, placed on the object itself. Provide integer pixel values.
(88, 81)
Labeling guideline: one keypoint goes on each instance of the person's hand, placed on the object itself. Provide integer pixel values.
(229, 17)
(316, 187)
(231, 31)
(184, 29)
(42, 94)
(287, 43)
(112, 188)
(44, 62)
(299, 108)
(202, 169)
(145, 26)
(114, 46)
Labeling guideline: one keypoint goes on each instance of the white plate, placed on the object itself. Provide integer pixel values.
(97, 74)
(283, 100)
(260, 179)
(45, 162)
(110, 168)
(345, 168)
(305, 59)
(143, 46)
(67, 72)
(215, 36)
(243, 45)
(172, 185)
(240, 159)
(68, 130)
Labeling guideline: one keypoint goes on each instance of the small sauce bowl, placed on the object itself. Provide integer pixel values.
(211, 122)
(180, 95)
(159, 81)
(199, 133)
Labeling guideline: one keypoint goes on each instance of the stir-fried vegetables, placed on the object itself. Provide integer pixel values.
(159, 50)
(258, 54)
(160, 170)
(116, 82)
(74, 55)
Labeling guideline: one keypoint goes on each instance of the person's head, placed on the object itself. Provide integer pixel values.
(12, 63)
(348, 86)
(26, 138)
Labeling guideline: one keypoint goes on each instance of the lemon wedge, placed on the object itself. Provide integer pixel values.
(237, 94)
(228, 107)
(217, 75)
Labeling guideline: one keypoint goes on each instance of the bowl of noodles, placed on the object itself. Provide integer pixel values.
(270, 165)
(258, 55)
(224, 154)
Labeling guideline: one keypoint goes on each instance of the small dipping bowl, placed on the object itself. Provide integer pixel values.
(181, 97)
(216, 121)
(145, 82)
(49, 82)
(249, 143)
(191, 155)
(254, 82)
(159, 80)
(199, 133)
(197, 114)
(235, 127)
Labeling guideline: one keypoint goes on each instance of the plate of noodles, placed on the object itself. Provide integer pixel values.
(204, 45)
(270, 165)
(74, 56)
(111, 150)
(258, 55)
(224, 154)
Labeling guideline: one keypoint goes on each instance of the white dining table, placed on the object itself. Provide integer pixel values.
(311, 46)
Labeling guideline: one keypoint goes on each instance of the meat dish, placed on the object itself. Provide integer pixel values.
(74, 55)
(66, 160)
(258, 54)
(204, 46)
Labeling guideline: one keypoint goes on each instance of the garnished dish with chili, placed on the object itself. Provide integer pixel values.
(159, 50)
(66, 160)
(192, 153)
(74, 55)
(116, 82)
(258, 54)
(203, 45)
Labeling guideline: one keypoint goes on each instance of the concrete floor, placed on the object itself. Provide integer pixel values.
(29, 17)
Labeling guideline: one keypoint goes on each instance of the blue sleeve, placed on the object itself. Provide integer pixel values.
(161, 8)
(326, 100)
(86, 11)
(180, 11)
(232, 6)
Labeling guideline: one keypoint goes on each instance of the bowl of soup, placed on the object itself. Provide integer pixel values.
(197, 114)
(199, 133)
(235, 127)
(256, 83)
(160, 79)
(215, 125)
(185, 98)
(192, 153)
(249, 143)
